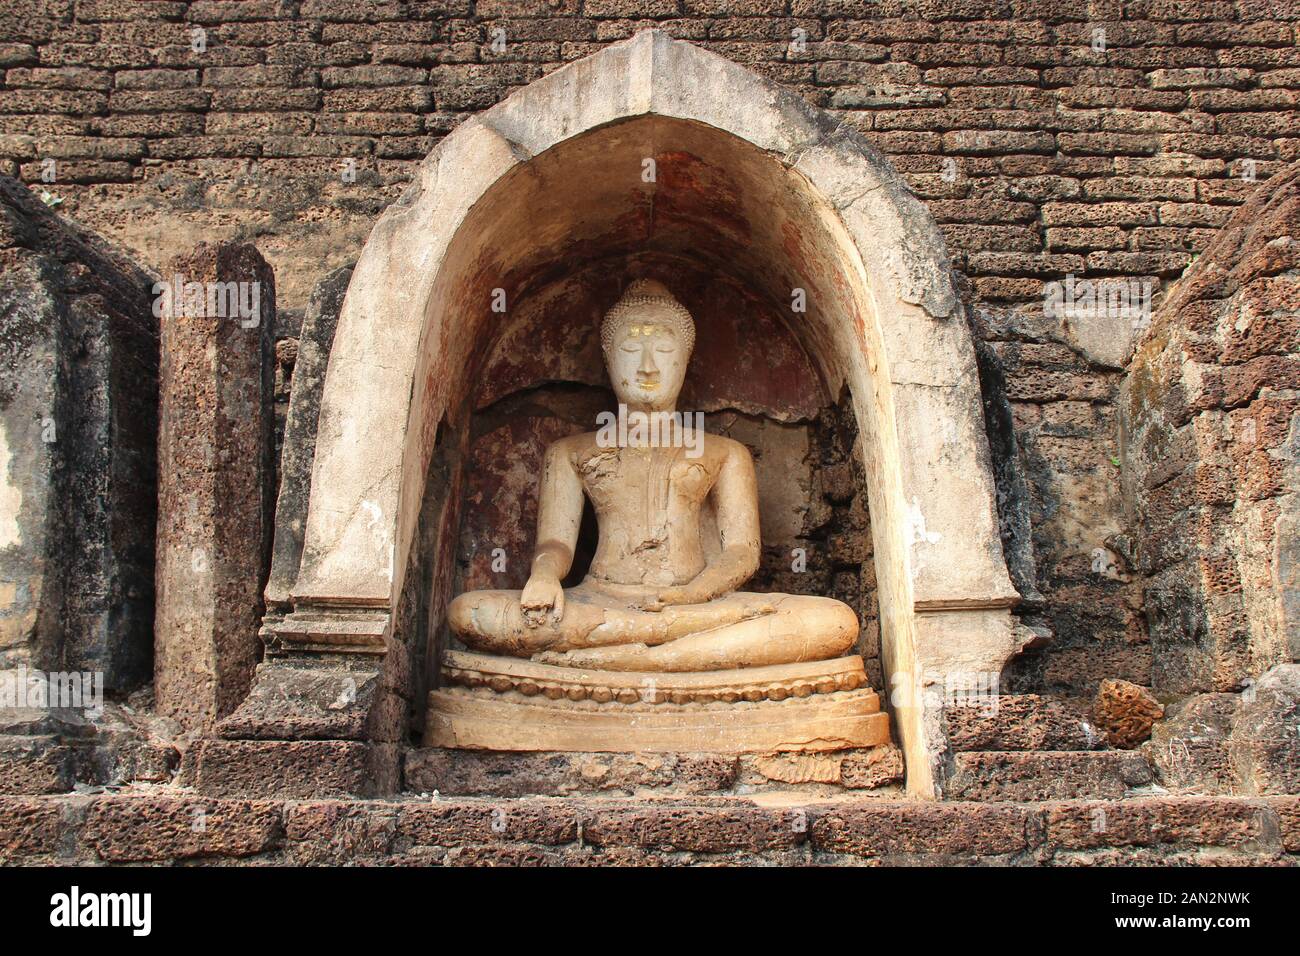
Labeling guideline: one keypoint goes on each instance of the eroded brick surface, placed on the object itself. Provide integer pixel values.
(29, 828)
(1047, 775)
(160, 829)
(166, 826)
(1211, 431)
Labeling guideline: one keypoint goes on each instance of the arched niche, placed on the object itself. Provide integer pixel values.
(744, 178)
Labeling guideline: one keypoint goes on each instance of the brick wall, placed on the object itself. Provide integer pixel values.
(1066, 158)
(1039, 152)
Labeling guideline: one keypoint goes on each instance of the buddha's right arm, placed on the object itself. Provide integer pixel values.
(559, 514)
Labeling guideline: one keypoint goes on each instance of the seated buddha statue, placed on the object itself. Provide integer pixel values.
(678, 535)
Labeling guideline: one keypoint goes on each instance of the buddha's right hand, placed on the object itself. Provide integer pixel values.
(542, 598)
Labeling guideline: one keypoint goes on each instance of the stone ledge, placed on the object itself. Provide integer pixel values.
(55, 752)
(1048, 775)
(516, 774)
(164, 825)
(36, 764)
(291, 702)
(1023, 722)
(294, 769)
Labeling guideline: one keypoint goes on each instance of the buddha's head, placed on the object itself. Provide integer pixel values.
(647, 338)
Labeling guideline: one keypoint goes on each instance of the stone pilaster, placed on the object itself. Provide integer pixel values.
(214, 472)
(299, 451)
(327, 708)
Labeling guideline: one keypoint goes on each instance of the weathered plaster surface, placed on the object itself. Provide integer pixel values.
(11, 497)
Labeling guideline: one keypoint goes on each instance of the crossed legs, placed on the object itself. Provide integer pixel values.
(600, 632)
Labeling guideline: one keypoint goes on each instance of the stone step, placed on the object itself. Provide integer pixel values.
(1020, 776)
(1023, 722)
(45, 751)
(484, 773)
(294, 769)
(36, 764)
(157, 826)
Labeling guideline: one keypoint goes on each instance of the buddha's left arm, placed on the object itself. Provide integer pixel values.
(735, 498)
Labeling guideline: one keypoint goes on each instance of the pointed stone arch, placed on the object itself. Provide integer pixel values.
(797, 200)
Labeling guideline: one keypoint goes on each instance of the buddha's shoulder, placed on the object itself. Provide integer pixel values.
(724, 447)
(574, 446)
(716, 450)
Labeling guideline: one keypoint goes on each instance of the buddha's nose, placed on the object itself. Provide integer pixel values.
(648, 369)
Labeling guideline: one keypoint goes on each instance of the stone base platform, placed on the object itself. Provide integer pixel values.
(493, 703)
(485, 773)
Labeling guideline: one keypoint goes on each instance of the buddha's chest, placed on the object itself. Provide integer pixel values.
(646, 484)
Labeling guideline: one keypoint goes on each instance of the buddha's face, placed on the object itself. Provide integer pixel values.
(647, 361)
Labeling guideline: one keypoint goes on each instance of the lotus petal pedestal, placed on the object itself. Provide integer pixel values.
(498, 703)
